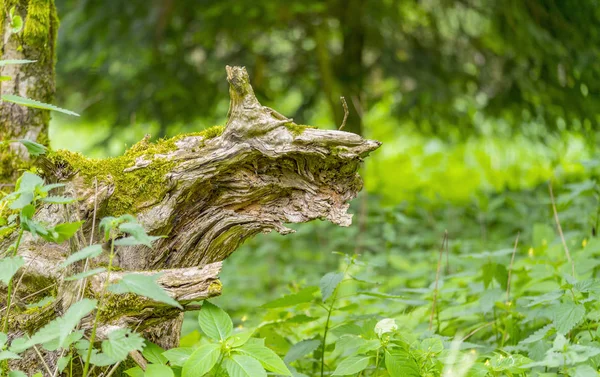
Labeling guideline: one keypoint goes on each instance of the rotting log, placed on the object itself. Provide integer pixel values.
(206, 192)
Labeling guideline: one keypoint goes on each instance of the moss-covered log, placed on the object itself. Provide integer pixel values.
(205, 192)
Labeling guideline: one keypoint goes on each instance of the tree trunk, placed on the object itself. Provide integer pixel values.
(206, 192)
(36, 41)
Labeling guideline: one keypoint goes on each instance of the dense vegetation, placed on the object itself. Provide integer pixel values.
(473, 250)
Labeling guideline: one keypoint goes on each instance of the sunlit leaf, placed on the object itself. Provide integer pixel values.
(244, 366)
(9, 267)
(202, 360)
(144, 285)
(35, 104)
(329, 283)
(91, 251)
(214, 321)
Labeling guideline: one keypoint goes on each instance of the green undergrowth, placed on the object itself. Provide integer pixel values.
(484, 314)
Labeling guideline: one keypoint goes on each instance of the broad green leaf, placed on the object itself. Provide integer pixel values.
(178, 356)
(346, 329)
(41, 303)
(91, 251)
(399, 364)
(135, 372)
(132, 241)
(138, 232)
(58, 200)
(63, 362)
(28, 182)
(58, 329)
(202, 360)
(16, 373)
(158, 370)
(33, 148)
(35, 104)
(144, 285)
(85, 274)
(243, 366)
(65, 231)
(74, 314)
(300, 349)
(304, 295)
(154, 353)
(352, 365)
(120, 342)
(214, 321)
(329, 283)
(537, 335)
(100, 359)
(52, 186)
(567, 315)
(7, 355)
(266, 357)
(73, 337)
(9, 267)
(432, 345)
(239, 338)
(16, 24)
(385, 326)
(23, 199)
(15, 62)
(3, 339)
(585, 371)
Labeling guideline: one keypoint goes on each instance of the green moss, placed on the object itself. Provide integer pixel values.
(10, 165)
(209, 133)
(37, 30)
(335, 151)
(133, 189)
(296, 129)
(118, 306)
(215, 287)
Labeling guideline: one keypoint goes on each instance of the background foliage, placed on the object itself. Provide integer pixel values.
(478, 103)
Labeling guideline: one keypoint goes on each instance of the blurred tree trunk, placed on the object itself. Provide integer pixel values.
(344, 75)
(350, 66)
(36, 41)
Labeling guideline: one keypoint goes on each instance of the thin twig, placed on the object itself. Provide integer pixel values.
(346, 112)
(113, 369)
(562, 236)
(437, 279)
(139, 359)
(43, 361)
(512, 260)
(477, 330)
(83, 282)
(447, 258)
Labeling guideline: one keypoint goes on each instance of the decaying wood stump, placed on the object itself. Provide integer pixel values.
(205, 192)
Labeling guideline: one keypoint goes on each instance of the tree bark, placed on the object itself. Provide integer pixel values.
(206, 192)
(36, 41)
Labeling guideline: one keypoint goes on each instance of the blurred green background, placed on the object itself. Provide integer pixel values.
(477, 102)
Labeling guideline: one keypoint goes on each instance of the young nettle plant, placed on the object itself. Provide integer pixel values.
(236, 354)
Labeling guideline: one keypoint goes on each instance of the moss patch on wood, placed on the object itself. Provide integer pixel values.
(296, 129)
(136, 188)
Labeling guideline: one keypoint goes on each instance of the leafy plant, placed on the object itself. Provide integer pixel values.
(225, 352)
